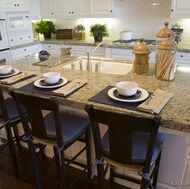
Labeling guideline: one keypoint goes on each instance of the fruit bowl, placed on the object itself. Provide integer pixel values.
(43, 55)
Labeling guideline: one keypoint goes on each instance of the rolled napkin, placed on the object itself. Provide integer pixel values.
(155, 103)
(17, 77)
(70, 87)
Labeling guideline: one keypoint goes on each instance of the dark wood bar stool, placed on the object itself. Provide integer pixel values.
(51, 125)
(131, 143)
(9, 120)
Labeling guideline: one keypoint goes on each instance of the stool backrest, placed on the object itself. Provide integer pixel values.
(37, 108)
(121, 128)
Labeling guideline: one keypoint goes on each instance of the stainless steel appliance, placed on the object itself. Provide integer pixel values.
(4, 43)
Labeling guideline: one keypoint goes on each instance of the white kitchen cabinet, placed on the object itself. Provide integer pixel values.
(180, 9)
(101, 8)
(20, 38)
(66, 8)
(34, 9)
(15, 5)
(78, 50)
(25, 51)
(119, 54)
(183, 58)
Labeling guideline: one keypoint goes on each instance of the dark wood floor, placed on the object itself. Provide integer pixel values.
(27, 181)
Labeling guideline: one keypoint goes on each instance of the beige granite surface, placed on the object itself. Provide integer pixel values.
(175, 115)
(182, 47)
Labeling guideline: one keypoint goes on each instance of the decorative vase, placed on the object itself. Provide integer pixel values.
(47, 35)
(98, 38)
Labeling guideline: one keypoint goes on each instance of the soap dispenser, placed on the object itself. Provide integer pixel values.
(165, 59)
(141, 62)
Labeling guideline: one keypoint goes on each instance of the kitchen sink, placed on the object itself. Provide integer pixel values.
(109, 67)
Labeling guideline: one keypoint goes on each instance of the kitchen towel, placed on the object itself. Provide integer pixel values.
(70, 87)
(17, 77)
(155, 103)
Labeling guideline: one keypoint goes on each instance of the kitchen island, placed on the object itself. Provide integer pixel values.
(175, 115)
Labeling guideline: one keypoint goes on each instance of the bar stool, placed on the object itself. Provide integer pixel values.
(9, 118)
(131, 143)
(50, 125)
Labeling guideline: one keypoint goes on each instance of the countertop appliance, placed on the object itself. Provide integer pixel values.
(136, 41)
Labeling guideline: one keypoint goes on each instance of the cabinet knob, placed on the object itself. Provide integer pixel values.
(24, 49)
(181, 55)
(17, 5)
(21, 38)
(111, 11)
(72, 12)
(52, 13)
(172, 10)
(69, 12)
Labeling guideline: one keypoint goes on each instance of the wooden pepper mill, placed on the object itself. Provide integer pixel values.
(141, 62)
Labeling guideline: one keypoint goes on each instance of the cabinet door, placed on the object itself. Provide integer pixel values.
(80, 7)
(99, 7)
(47, 8)
(180, 9)
(34, 9)
(63, 8)
(14, 4)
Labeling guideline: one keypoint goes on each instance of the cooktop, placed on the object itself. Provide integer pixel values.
(136, 41)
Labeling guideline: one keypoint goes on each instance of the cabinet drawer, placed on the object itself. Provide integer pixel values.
(183, 58)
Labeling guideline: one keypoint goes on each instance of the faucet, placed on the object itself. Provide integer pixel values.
(89, 64)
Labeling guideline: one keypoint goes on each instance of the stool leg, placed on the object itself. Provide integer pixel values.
(12, 150)
(88, 152)
(17, 138)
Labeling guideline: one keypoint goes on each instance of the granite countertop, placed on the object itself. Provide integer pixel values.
(175, 114)
(182, 47)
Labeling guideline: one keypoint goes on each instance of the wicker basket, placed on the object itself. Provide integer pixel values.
(80, 35)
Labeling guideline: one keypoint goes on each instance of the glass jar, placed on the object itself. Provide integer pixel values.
(165, 59)
(141, 62)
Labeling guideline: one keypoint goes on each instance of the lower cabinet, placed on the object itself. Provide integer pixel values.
(25, 51)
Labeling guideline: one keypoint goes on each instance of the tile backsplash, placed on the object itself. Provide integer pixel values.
(143, 17)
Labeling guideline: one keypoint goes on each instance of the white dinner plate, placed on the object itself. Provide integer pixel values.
(37, 83)
(16, 71)
(143, 96)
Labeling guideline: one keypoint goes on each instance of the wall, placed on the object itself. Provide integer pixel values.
(143, 17)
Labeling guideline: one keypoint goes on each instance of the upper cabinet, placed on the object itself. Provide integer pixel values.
(180, 9)
(14, 5)
(101, 7)
(64, 8)
(76, 8)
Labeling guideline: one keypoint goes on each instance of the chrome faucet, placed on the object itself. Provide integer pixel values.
(89, 64)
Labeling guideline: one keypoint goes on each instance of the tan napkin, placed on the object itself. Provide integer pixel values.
(155, 105)
(17, 77)
(70, 87)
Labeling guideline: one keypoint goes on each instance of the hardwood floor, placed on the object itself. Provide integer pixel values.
(27, 180)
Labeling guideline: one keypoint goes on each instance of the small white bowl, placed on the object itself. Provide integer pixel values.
(5, 69)
(51, 77)
(127, 88)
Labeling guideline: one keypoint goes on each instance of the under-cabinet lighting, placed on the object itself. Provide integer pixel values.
(183, 68)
